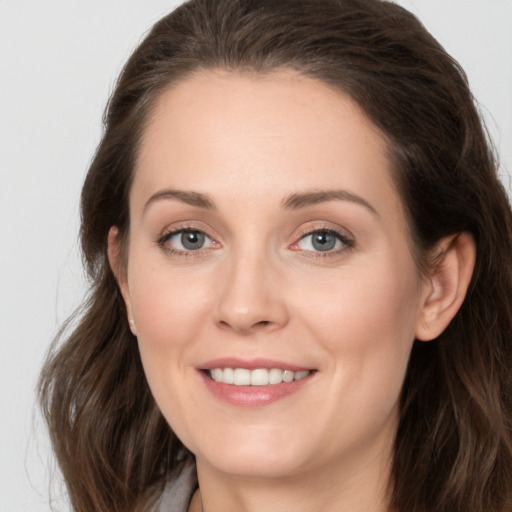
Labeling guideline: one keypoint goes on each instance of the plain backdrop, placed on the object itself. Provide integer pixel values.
(58, 61)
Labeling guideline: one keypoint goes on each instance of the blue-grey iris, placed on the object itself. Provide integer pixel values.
(323, 241)
(192, 240)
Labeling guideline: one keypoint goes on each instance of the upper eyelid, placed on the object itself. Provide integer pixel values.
(173, 231)
(342, 232)
(166, 234)
(320, 230)
(186, 226)
(163, 240)
(346, 238)
(343, 238)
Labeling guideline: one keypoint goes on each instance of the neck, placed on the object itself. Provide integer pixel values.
(329, 489)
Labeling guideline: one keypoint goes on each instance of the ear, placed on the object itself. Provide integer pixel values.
(115, 259)
(447, 284)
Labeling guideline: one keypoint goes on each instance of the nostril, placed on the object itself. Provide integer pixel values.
(264, 326)
(246, 327)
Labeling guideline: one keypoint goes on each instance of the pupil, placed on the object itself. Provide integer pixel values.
(324, 241)
(192, 240)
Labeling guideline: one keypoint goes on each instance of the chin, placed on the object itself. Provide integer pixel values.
(260, 467)
(259, 455)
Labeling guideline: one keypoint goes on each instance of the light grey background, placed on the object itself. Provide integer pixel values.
(58, 61)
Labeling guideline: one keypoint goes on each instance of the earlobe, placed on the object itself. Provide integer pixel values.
(447, 284)
(115, 260)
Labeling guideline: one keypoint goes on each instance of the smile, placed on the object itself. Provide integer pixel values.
(254, 382)
(256, 377)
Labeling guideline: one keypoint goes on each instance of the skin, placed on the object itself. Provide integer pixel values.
(259, 288)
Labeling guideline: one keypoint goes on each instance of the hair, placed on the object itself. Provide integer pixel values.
(453, 447)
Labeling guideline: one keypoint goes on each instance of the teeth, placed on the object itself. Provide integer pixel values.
(227, 376)
(218, 374)
(258, 377)
(301, 375)
(288, 376)
(275, 376)
(242, 377)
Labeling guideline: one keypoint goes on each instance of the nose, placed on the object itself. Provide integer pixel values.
(252, 296)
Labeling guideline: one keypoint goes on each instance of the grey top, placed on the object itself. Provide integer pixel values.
(178, 493)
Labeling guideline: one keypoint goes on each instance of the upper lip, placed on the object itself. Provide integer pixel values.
(250, 364)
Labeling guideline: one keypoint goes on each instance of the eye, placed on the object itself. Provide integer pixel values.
(323, 240)
(186, 240)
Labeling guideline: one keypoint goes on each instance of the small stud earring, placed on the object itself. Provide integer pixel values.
(132, 323)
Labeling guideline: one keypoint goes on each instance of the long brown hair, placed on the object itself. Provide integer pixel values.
(453, 449)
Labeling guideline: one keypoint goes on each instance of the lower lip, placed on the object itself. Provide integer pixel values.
(253, 396)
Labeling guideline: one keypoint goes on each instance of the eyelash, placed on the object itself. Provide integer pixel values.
(162, 241)
(348, 243)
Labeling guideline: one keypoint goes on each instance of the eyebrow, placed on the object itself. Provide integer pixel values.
(303, 200)
(188, 197)
(292, 202)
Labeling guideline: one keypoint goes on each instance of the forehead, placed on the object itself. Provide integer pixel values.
(236, 134)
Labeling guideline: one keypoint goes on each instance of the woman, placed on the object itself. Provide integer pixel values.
(299, 253)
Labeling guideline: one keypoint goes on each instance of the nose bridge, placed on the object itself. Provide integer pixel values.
(250, 296)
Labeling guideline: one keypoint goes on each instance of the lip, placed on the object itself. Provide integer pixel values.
(250, 364)
(252, 396)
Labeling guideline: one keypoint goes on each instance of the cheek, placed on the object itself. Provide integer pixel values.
(166, 303)
(168, 311)
(366, 323)
(368, 302)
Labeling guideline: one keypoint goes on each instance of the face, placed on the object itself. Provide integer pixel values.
(269, 276)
